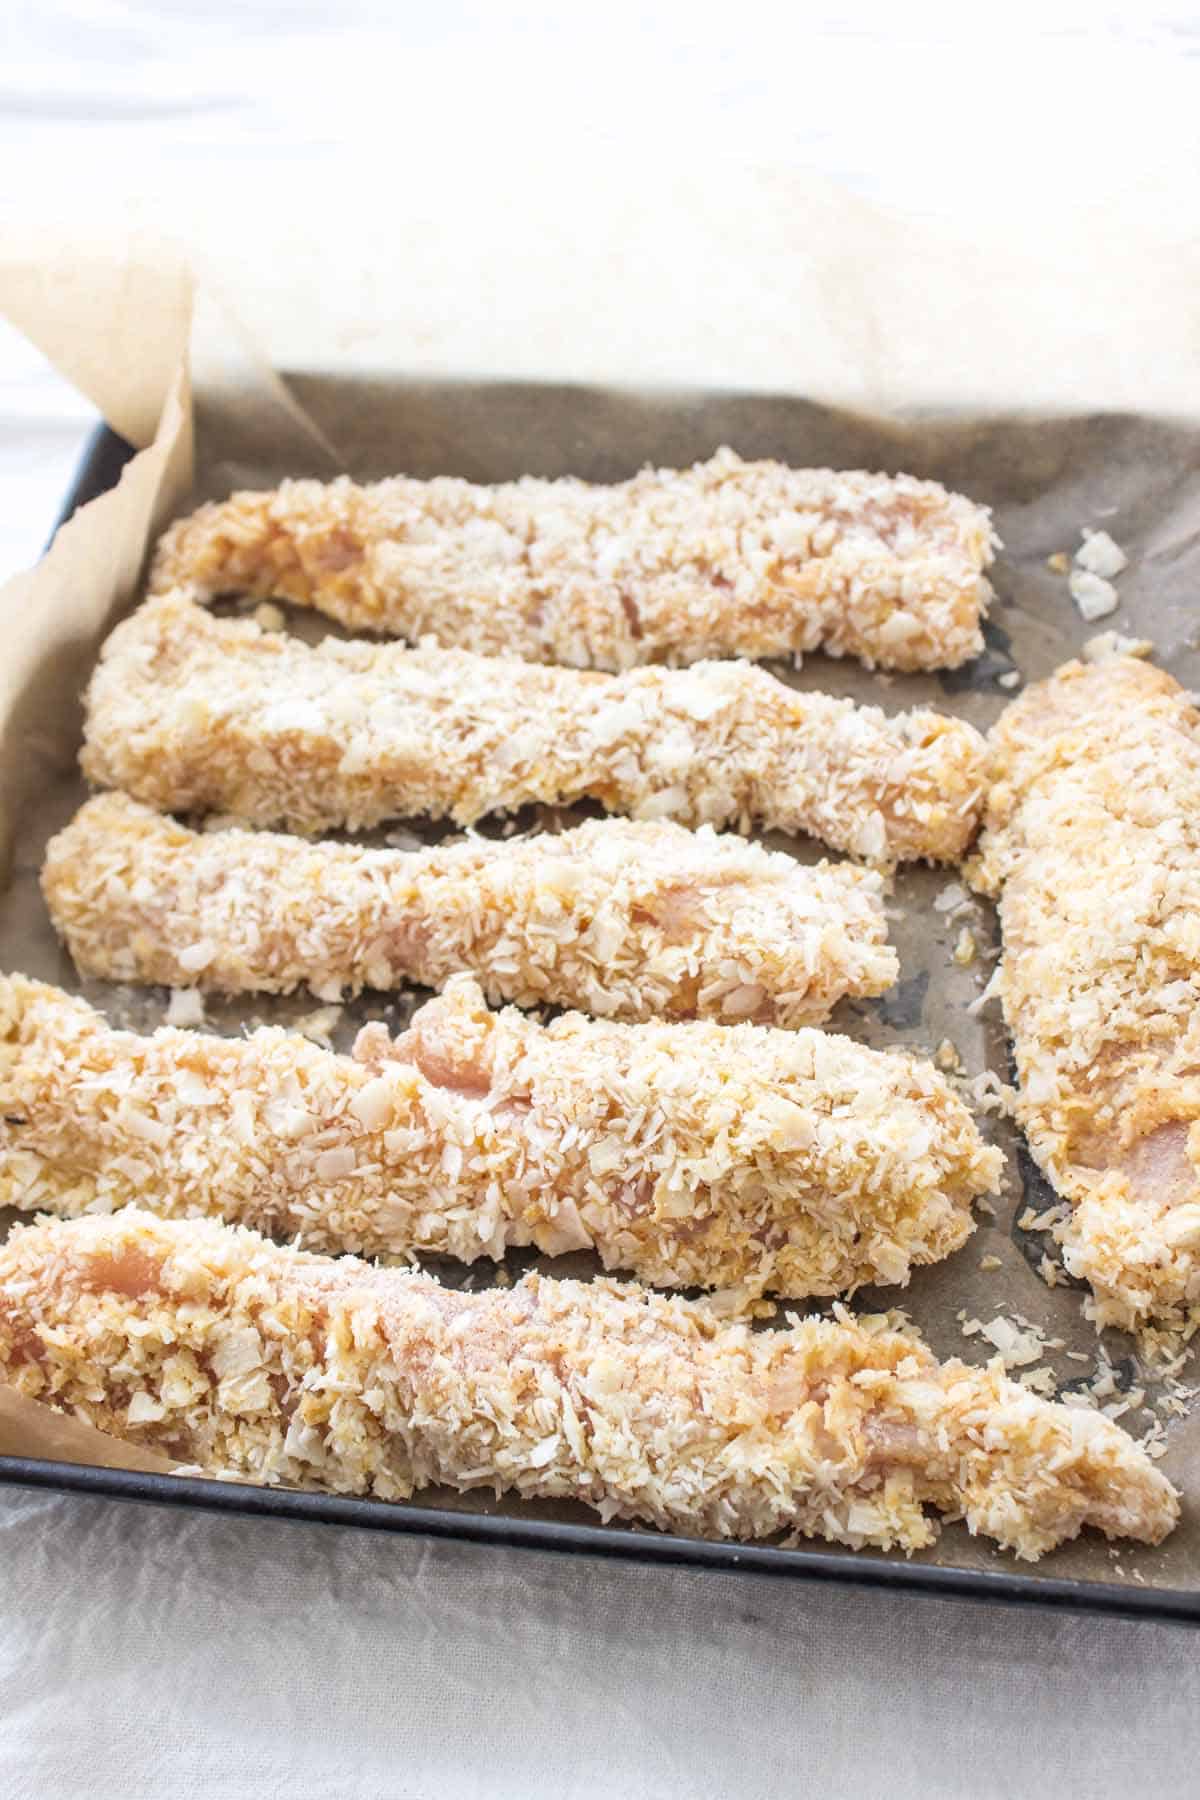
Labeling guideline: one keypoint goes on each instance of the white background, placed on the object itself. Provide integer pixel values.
(971, 113)
(154, 1654)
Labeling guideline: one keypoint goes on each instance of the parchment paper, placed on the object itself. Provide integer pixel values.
(1083, 459)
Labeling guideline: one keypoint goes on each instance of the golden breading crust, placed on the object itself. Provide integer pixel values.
(224, 1351)
(1093, 845)
(724, 559)
(694, 1155)
(193, 713)
(625, 920)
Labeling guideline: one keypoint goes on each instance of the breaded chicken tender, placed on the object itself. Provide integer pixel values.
(623, 920)
(1093, 846)
(726, 558)
(693, 1155)
(192, 713)
(222, 1350)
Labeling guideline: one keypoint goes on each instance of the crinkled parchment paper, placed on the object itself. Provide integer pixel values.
(1060, 402)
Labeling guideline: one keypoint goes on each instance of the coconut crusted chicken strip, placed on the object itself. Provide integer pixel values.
(701, 1155)
(193, 713)
(1093, 845)
(723, 559)
(222, 1350)
(625, 920)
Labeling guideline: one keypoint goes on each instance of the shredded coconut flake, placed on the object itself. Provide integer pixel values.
(1100, 555)
(1093, 596)
(1111, 643)
(185, 1007)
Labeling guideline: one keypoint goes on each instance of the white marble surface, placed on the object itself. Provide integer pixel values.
(159, 1654)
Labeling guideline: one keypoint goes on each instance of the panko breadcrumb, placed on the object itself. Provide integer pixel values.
(1093, 846)
(227, 1352)
(624, 920)
(194, 713)
(693, 1155)
(726, 558)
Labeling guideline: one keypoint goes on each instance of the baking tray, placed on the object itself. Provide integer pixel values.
(481, 1520)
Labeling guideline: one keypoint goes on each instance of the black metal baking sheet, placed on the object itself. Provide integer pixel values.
(471, 1518)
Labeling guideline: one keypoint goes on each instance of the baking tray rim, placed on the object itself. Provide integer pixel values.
(104, 456)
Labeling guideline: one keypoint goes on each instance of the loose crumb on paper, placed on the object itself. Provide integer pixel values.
(742, 1302)
(1094, 597)
(1042, 1221)
(966, 949)
(989, 1094)
(1111, 643)
(1100, 555)
(986, 994)
(950, 898)
(320, 1024)
(185, 1007)
(1019, 1342)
